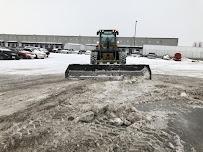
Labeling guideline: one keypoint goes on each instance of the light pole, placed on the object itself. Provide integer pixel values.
(135, 31)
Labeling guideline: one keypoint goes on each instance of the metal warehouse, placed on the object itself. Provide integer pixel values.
(54, 41)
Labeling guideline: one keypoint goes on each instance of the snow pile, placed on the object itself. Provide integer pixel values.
(118, 115)
(132, 126)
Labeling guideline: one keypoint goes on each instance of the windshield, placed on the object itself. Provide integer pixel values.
(108, 37)
(30, 50)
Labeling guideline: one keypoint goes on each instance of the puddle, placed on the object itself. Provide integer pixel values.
(187, 122)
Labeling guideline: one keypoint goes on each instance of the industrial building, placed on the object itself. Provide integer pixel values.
(186, 51)
(53, 41)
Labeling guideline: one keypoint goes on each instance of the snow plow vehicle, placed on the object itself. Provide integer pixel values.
(107, 61)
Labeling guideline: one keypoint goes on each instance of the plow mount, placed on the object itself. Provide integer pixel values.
(86, 71)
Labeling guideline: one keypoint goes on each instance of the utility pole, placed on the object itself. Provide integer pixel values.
(135, 31)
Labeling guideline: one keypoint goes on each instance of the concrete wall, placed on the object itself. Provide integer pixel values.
(53, 39)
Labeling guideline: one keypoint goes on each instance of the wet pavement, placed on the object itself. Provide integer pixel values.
(184, 120)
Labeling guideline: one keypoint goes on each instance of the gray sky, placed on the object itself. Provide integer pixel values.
(156, 18)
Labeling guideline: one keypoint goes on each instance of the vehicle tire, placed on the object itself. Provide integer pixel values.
(93, 58)
(1, 57)
(22, 57)
(122, 57)
(36, 57)
(18, 58)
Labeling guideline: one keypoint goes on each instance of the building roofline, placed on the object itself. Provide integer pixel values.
(89, 36)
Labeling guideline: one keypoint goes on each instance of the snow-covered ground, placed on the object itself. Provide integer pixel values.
(57, 64)
(171, 67)
(54, 64)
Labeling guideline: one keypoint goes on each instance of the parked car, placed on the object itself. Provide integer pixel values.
(45, 51)
(56, 50)
(177, 57)
(15, 49)
(151, 56)
(88, 52)
(38, 54)
(65, 51)
(81, 51)
(7, 54)
(75, 52)
(26, 54)
(166, 57)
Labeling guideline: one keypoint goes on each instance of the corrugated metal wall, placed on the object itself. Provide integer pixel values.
(139, 41)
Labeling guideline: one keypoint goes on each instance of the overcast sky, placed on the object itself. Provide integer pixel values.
(156, 18)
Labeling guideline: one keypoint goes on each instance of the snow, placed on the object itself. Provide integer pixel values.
(171, 67)
(57, 64)
(54, 64)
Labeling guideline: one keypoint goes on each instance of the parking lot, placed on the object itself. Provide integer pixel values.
(40, 110)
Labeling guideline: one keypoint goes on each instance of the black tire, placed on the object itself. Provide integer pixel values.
(18, 58)
(1, 57)
(36, 57)
(22, 57)
(93, 58)
(122, 57)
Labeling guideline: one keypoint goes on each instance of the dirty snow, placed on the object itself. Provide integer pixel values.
(57, 64)
(60, 115)
(50, 113)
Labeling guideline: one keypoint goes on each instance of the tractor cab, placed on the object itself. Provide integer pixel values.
(107, 38)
